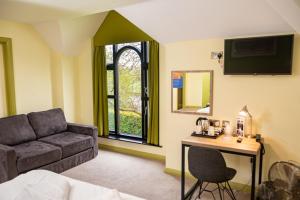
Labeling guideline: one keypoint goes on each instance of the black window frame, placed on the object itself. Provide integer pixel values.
(143, 54)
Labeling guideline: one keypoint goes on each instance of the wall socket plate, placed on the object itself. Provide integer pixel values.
(214, 55)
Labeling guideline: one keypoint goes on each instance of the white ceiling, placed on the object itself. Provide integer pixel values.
(67, 36)
(289, 10)
(175, 20)
(65, 24)
(36, 11)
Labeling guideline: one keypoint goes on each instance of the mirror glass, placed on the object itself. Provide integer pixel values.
(192, 92)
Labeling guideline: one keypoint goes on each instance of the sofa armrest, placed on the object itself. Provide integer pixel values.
(8, 163)
(86, 130)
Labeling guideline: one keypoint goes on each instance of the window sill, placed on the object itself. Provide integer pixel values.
(130, 140)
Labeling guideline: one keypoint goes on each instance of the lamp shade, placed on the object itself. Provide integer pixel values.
(244, 123)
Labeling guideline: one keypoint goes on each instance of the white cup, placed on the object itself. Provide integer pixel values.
(211, 131)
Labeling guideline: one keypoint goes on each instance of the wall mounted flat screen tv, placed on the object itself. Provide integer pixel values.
(271, 55)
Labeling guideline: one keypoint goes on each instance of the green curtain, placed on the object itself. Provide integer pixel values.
(6, 45)
(100, 91)
(153, 70)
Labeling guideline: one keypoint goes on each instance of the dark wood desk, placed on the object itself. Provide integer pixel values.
(248, 147)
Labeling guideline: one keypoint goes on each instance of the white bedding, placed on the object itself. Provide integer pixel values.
(46, 185)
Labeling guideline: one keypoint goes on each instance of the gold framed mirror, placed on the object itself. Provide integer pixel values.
(192, 92)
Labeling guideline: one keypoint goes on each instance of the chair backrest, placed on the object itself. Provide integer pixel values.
(206, 164)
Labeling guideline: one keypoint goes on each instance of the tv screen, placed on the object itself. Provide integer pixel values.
(270, 55)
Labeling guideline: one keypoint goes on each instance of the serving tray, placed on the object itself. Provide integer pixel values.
(205, 135)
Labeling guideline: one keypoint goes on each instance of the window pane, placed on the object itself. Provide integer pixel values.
(110, 82)
(109, 54)
(129, 66)
(111, 114)
(134, 44)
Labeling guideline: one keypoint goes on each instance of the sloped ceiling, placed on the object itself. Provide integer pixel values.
(175, 20)
(66, 24)
(67, 36)
(37, 11)
(289, 10)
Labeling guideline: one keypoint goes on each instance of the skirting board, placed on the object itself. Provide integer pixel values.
(234, 185)
(132, 152)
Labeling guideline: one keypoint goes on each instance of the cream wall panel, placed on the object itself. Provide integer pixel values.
(193, 97)
(84, 84)
(57, 80)
(32, 63)
(69, 87)
(272, 100)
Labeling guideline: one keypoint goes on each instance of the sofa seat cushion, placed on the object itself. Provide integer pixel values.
(35, 154)
(70, 143)
(15, 130)
(48, 122)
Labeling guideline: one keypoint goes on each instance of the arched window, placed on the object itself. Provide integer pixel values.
(127, 90)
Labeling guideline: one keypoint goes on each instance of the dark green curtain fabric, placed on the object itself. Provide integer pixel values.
(100, 91)
(153, 70)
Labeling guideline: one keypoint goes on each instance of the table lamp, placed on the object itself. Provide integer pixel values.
(244, 123)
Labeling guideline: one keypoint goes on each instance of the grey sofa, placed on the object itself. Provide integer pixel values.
(43, 140)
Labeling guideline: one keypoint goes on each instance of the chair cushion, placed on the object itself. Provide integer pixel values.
(35, 154)
(70, 143)
(48, 122)
(15, 130)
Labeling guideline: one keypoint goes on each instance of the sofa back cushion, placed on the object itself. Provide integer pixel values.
(48, 122)
(15, 130)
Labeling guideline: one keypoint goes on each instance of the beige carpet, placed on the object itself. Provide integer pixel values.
(133, 175)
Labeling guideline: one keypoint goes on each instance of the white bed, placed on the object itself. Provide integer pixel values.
(46, 185)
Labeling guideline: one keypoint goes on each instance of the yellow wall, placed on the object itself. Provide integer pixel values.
(84, 84)
(3, 109)
(45, 79)
(193, 89)
(272, 100)
(69, 87)
(57, 80)
(31, 57)
(64, 84)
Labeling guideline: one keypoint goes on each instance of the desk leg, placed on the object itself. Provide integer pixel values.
(182, 170)
(253, 177)
(260, 166)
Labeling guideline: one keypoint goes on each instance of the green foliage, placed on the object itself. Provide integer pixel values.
(130, 122)
(111, 119)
